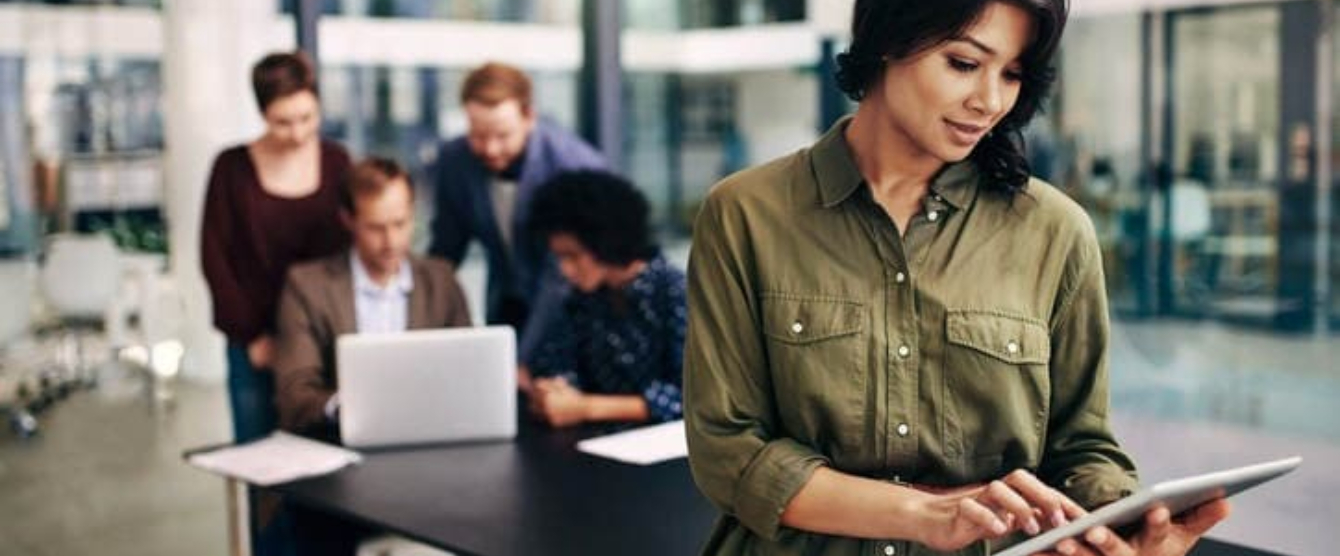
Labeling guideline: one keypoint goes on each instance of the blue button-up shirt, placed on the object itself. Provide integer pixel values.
(627, 341)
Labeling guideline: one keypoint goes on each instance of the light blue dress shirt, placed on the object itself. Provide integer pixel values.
(377, 309)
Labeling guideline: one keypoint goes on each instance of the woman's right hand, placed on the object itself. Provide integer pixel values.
(261, 352)
(1017, 502)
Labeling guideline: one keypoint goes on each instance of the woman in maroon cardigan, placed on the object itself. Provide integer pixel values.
(271, 202)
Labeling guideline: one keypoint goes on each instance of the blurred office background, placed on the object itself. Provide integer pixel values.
(1201, 135)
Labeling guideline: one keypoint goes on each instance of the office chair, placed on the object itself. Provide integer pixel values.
(161, 311)
(80, 280)
(17, 387)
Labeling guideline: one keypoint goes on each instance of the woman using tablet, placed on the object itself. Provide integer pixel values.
(897, 340)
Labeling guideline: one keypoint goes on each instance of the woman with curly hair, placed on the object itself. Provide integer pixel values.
(615, 352)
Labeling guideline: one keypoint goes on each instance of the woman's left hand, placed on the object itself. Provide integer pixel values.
(1161, 535)
(556, 402)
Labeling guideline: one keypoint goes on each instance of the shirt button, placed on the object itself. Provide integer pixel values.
(888, 550)
(900, 277)
(932, 216)
(797, 327)
(1012, 347)
(904, 351)
(902, 429)
(937, 198)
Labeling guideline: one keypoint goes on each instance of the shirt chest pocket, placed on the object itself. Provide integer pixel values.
(817, 353)
(997, 386)
(1013, 340)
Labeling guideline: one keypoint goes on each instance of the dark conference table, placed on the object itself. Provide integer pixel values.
(537, 495)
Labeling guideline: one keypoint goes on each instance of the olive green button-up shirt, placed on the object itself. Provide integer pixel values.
(973, 344)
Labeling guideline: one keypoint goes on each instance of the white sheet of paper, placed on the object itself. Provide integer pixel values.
(278, 458)
(643, 446)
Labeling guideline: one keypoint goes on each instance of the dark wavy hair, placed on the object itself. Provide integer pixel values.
(603, 211)
(885, 30)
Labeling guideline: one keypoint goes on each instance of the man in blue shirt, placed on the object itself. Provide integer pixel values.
(377, 286)
(485, 182)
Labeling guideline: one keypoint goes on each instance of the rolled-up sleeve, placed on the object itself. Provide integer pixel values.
(664, 400)
(1082, 456)
(737, 460)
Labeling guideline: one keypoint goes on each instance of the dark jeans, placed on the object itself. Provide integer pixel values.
(251, 397)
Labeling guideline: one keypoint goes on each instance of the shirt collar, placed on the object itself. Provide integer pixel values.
(834, 166)
(835, 170)
(403, 282)
(956, 184)
(645, 281)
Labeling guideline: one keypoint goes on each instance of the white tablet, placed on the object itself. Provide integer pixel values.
(1179, 495)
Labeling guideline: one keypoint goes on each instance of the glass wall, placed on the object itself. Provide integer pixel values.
(1091, 146)
(406, 112)
(1167, 130)
(16, 215)
(706, 14)
(682, 136)
(548, 12)
(156, 4)
(685, 132)
(94, 133)
(1334, 239)
(658, 15)
(1205, 308)
(653, 134)
(1224, 223)
(735, 13)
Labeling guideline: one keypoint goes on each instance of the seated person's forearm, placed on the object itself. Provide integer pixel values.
(616, 408)
(836, 503)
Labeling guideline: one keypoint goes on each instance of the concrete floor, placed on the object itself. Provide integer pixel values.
(105, 475)
(1195, 396)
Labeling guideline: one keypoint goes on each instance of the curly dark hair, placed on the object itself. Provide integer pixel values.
(885, 30)
(603, 211)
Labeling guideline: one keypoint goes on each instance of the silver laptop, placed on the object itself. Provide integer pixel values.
(427, 386)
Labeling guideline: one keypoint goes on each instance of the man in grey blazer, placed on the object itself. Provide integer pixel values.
(377, 286)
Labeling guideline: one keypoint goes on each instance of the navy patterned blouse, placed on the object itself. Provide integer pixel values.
(626, 341)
